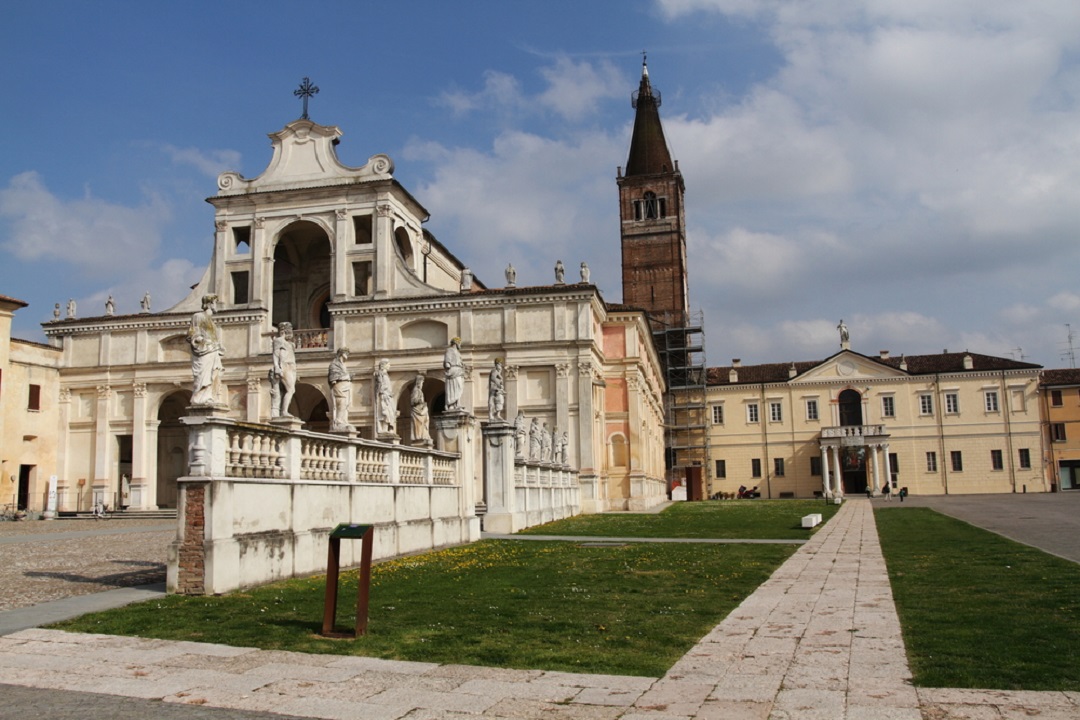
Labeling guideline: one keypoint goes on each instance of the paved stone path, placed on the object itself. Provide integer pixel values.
(819, 639)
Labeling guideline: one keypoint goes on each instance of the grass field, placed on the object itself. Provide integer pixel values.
(978, 610)
(630, 609)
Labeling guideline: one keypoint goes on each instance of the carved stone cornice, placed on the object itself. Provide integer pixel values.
(104, 391)
(562, 370)
(65, 395)
(139, 389)
(221, 225)
(511, 371)
(384, 210)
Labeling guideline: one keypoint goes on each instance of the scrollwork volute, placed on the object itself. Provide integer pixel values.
(221, 225)
(384, 210)
(104, 391)
(254, 384)
(381, 164)
(562, 369)
(259, 223)
(65, 395)
(511, 371)
(139, 389)
(341, 214)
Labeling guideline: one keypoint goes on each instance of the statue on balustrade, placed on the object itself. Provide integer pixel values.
(385, 411)
(455, 375)
(545, 444)
(521, 434)
(534, 441)
(206, 354)
(496, 392)
(341, 390)
(284, 368)
(421, 422)
(559, 453)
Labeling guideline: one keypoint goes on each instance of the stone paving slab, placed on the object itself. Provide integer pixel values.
(819, 639)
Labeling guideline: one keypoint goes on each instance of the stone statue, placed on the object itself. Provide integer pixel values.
(520, 435)
(585, 273)
(110, 306)
(455, 375)
(534, 440)
(560, 273)
(564, 458)
(385, 412)
(145, 302)
(284, 367)
(206, 354)
(466, 280)
(844, 337)
(559, 453)
(341, 391)
(421, 422)
(56, 311)
(275, 393)
(496, 392)
(71, 308)
(511, 276)
(545, 444)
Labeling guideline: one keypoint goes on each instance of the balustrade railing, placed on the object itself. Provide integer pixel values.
(311, 339)
(850, 431)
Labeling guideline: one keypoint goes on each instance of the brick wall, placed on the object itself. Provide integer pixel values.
(191, 578)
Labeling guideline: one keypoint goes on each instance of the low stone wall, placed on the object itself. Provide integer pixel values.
(237, 533)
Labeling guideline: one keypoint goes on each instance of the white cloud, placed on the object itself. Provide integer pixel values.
(88, 233)
(209, 162)
(501, 91)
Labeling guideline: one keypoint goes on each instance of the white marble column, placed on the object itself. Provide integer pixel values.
(826, 487)
(888, 465)
(838, 473)
(874, 450)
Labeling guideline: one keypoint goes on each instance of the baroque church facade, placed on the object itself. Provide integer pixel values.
(341, 253)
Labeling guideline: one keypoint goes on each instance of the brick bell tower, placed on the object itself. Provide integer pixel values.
(653, 223)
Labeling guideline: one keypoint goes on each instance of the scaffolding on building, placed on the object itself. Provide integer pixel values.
(682, 354)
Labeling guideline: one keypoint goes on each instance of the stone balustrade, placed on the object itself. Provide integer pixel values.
(853, 431)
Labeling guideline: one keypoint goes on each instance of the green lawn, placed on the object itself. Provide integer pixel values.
(631, 609)
(978, 610)
(742, 519)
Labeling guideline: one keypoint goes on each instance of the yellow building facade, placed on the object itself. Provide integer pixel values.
(953, 423)
(1061, 412)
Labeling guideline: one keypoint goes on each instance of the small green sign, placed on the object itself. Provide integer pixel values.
(350, 531)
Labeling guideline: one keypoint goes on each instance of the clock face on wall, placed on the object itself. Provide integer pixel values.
(845, 367)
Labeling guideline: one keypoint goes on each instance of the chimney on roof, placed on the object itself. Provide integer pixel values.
(791, 371)
(736, 362)
(884, 354)
(969, 363)
(733, 376)
(903, 363)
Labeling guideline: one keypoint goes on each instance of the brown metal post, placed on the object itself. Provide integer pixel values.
(332, 567)
(364, 591)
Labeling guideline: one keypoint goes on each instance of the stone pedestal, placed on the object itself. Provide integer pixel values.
(499, 476)
(454, 432)
(288, 422)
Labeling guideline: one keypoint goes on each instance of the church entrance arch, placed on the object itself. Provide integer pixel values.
(172, 442)
(302, 265)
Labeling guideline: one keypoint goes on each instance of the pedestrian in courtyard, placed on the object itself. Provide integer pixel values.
(887, 491)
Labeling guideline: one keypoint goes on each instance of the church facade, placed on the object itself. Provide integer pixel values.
(341, 254)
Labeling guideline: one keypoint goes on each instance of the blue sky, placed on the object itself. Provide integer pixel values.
(910, 166)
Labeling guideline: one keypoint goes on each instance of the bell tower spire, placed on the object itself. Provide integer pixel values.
(652, 219)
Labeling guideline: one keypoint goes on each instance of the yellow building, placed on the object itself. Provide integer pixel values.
(951, 423)
(1061, 413)
(29, 385)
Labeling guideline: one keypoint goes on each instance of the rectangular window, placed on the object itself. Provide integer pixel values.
(240, 288)
(362, 229)
(931, 461)
(755, 468)
(815, 466)
(242, 240)
(717, 414)
(721, 468)
(926, 404)
(894, 468)
(888, 406)
(776, 414)
(952, 403)
(811, 410)
(996, 461)
(1055, 398)
(1057, 432)
(361, 278)
(991, 401)
(957, 459)
(778, 467)
(34, 401)
(752, 413)
(1025, 459)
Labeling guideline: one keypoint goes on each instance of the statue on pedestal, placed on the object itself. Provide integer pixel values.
(284, 372)
(511, 276)
(455, 375)
(206, 354)
(560, 273)
(585, 273)
(496, 392)
(145, 302)
(71, 308)
(341, 391)
(844, 337)
(534, 440)
(466, 280)
(545, 444)
(520, 435)
(421, 422)
(385, 412)
(110, 306)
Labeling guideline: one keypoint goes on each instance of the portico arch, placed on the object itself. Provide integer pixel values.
(302, 262)
(172, 444)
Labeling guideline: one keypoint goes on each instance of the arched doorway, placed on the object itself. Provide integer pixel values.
(172, 442)
(852, 457)
(302, 263)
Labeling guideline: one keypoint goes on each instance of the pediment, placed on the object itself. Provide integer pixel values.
(848, 366)
(304, 156)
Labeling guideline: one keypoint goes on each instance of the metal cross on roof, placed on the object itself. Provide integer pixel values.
(306, 90)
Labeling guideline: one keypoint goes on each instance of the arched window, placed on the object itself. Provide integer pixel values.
(850, 402)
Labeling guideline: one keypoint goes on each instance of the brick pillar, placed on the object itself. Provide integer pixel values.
(191, 554)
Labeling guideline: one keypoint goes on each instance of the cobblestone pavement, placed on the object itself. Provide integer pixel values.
(49, 560)
(819, 639)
